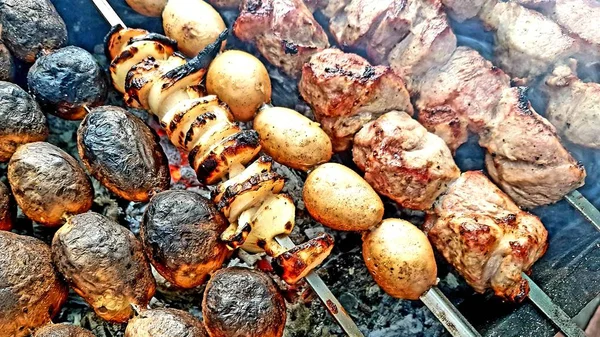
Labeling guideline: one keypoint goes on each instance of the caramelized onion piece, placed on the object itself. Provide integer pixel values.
(118, 37)
(297, 262)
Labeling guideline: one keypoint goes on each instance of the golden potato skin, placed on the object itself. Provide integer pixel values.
(180, 233)
(32, 290)
(243, 302)
(48, 183)
(105, 264)
(194, 24)
(62, 330)
(7, 209)
(400, 259)
(148, 7)
(340, 199)
(240, 80)
(165, 323)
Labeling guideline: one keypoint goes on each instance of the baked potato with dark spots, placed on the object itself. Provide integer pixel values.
(62, 330)
(165, 323)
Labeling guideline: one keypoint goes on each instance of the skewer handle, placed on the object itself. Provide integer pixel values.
(589, 211)
(552, 311)
(447, 313)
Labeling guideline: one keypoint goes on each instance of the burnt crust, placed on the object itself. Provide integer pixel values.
(165, 323)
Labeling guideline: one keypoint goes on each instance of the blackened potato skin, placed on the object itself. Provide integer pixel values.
(66, 81)
(32, 290)
(6, 64)
(165, 323)
(123, 153)
(62, 330)
(105, 264)
(180, 233)
(31, 26)
(7, 209)
(21, 120)
(48, 183)
(243, 302)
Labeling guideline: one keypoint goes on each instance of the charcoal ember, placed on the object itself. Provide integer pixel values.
(123, 153)
(6, 64)
(7, 209)
(66, 81)
(31, 26)
(21, 120)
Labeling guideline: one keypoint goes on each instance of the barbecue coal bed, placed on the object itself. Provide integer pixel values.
(569, 272)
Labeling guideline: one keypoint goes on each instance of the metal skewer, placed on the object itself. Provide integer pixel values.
(109, 13)
(585, 207)
(447, 314)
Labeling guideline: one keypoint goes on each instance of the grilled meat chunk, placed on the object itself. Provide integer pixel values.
(485, 236)
(345, 91)
(284, 31)
(579, 18)
(461, 10)
(459, 96)
(403, 161)
(329, 8)
(525, 156)
(574, 105)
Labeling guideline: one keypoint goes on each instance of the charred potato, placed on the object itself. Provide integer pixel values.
(48, 183)
(240, 80)
(243, 302)
(119, 150)
(67, 80)
(6, 208)
(32, 290)
(193, 23)
(62, 330)
(165, 323)
(180, 233)
(148, 7)
(21, 120)
(105, 264)
(31, 26)
(6, 64)
(292, 139)
(340, 199)
(400, 259)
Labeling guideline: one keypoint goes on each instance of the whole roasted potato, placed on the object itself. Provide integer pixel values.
(123, 153)
(194, 24)
(48, 183)
(165, 323)
(21, 120)
(105, 264)
(31, 26)
(292, 139)
(32, 292)
(62, 330)
(180, 233)
(7, 210)
(340, 199)
(400, 259)
(6, 64)
(67, 80)
(240, 80)
(243, 302)
(148, 7)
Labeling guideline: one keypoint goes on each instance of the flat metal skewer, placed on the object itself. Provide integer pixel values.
(585, 207)
(109, 13)
(447, 314)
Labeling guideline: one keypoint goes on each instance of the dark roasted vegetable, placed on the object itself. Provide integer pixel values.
(31, 26)
(180, 233)
(243, 302)
(6, 64)
(32, 292)
(21, 120)
(165, 323)
(48, 183)
(62, 330)
(6, 208)
(67, 80)
(123, 153)
(105, 264)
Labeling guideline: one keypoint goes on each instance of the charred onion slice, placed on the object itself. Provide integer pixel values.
(235, 236)
(118, 37)
(297, 262)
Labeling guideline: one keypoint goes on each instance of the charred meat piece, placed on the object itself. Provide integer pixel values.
(180, 233)
(32, 290)
(461, 10)
(486, 237)
(7, 208)
(165, 323)
(48, 184)
(32, 26)
(243, 302)
(574, 105)
(329, 8)
(66, 81)
(123, 153)
(525, 156)
(62, 330)
(580, 18)
(6, 64)
(105, 264)
(345, 92)
(460, 96)
(284, 31)
(403, 161)
(21, 120)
